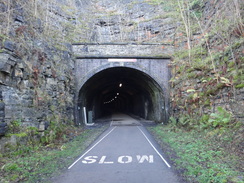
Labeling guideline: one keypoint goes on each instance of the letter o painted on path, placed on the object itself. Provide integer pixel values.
(125, 159)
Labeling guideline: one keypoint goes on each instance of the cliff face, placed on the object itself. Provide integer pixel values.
(125, 21)
(36, 67)
(131, 21)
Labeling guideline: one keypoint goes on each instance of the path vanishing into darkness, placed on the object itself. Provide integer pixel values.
(124, 153)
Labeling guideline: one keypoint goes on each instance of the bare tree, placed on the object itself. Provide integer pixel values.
(185, 15)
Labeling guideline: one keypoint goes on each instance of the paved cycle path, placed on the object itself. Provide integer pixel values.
(125, 153)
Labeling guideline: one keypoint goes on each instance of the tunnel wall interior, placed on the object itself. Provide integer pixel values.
(122, 89)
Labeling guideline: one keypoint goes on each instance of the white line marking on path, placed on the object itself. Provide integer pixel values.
(154, 148)
(91, 148)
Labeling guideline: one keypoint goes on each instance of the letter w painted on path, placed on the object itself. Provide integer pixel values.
(141, 159)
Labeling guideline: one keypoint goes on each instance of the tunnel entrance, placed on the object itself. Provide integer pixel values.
(125, 90)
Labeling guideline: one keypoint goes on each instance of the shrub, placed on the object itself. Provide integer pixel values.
(220, 119)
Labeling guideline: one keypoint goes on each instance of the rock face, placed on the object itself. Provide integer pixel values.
(31, 91)
(36, 69)
(3, 128)
(128, 21)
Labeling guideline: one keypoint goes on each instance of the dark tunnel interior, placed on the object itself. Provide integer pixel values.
(122, 89)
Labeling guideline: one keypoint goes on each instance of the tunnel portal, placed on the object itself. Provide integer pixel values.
(127, 88)
(121, 89)
(122, 77)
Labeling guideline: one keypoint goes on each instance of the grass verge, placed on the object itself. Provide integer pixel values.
(43, 162)
(198, 157)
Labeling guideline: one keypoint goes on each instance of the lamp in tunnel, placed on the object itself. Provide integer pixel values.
(117, 93)
(120, 85)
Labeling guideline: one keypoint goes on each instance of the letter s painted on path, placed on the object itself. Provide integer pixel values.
(89, 159)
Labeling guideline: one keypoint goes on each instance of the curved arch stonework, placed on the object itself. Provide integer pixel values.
(147, 60)
(156, 70)
(142, 65)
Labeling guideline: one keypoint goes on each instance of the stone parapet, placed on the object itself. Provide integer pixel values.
(122, 50)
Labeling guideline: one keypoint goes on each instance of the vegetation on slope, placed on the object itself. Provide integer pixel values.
(207, 80)
(206, 127)
(37, 162)
(200, 157)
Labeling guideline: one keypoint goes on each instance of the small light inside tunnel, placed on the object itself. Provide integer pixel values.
(117, 93)
(120, 85)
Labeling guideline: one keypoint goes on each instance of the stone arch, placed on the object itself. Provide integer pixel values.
(135, 66)
(148, 98)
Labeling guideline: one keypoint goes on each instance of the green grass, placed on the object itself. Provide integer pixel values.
(43, 162)
(199, 156)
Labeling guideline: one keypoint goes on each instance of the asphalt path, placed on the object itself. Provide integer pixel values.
(125, 153)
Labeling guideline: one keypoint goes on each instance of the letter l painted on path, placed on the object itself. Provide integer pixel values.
(102, 161)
